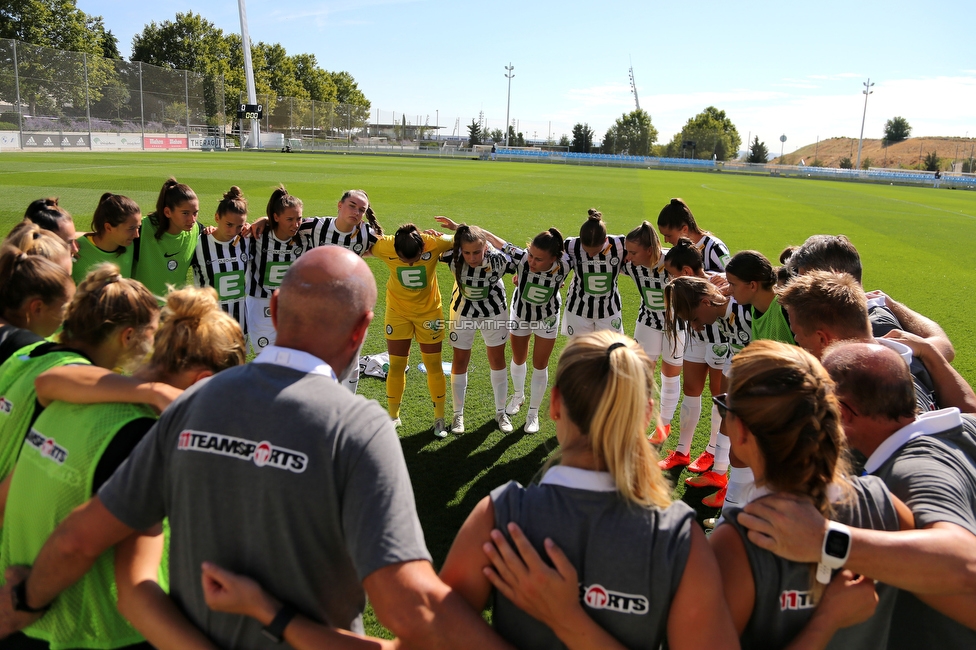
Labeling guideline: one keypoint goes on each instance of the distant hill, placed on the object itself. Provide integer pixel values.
(903, 155)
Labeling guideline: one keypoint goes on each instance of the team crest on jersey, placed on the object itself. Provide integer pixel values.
(559, 278)
(263, 342)
(389, 329)
(549, 322)
(425, 256)
(358, 248)
(47, 447)
(743, 336)
(172, 264)
(793, 599)
(615, 323)
(6, 406)
(262, 454)
(599, 597)
(267, 312)
(720, 349)
(493, 279)
(243, 257)
(614, 261)
(454, 336)
(569, 328)
(297, 250)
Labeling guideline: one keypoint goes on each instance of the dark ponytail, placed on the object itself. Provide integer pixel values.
(550, 241)
(752, 266)
(233, 201)
(171, 195)
(407, 242)
(683, 254)
(593, 232)
(677, 214)
(280, 201)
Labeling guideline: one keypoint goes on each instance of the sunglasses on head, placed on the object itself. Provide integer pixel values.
(721, 402)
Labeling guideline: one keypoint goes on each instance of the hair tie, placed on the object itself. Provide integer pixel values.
(614, 346)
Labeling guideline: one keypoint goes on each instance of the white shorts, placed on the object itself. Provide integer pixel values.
(494, 330)
(260, 331)
(547, 328)
(657, 343)
(574, 325)
(698, 351)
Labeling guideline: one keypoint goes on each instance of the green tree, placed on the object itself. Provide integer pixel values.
(713, 134)
(56, 23)
(564, 141)
(582, 138)
(317, 82)
(632, 133)
(497, 135)
(474, 133)
(866, 163)
(896, 129)
(846, 163)
(758, 153)
(931, 162)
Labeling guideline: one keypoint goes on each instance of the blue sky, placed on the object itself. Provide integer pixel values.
(775, 67)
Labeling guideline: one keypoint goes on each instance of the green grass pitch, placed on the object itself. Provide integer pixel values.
(918, 244)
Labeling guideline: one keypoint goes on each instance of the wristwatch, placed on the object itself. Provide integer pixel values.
(275, 630)
(835, 550)
(18, 594)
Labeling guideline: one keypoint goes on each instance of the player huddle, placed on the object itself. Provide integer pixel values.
(797, 376)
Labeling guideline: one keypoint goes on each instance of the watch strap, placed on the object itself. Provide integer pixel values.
(18, 594)
(275, 630)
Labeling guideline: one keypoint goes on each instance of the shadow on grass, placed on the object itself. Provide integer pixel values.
(451, 476)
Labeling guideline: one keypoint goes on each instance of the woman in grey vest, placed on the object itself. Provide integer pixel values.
(784, 422)
(633, 561)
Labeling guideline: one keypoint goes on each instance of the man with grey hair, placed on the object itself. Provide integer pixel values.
(275, 470)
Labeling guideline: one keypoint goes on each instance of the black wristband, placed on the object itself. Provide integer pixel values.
(275, 630)
(19, 596)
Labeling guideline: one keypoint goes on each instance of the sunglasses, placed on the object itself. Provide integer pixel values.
(721, 401)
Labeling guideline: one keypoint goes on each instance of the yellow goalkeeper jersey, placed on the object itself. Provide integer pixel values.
(411, 289)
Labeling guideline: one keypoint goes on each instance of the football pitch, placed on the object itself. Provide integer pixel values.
(917, 244)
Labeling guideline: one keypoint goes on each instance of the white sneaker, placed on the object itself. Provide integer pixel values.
(396, 423)
(457, 426)
(514, 404)
(440, 429)
(504, 424)
(532, 422)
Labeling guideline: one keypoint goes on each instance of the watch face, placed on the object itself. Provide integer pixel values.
(837, 543)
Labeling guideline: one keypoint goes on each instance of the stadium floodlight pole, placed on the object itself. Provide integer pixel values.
(252, 96)
(509, 74)
(867, 91)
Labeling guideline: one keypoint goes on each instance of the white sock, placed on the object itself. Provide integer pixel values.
(722, 447)
(459, 384)
(690, 414)
(518, 378)
(540, 381)
(741, 483)
(499, 385)
(716, 424)
(670, 392)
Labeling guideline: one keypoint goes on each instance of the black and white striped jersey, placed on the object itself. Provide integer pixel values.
(593, 291)
(482, 289)
(270, 257)
(714, 252)
(736, 325)
(650, 285)
(223, 266)
(359, 241)
(536, 295)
